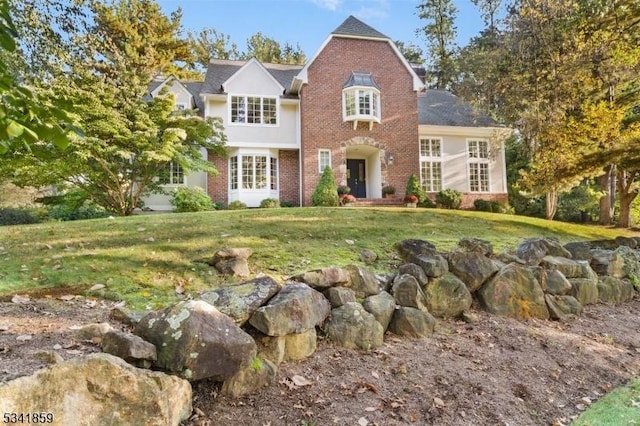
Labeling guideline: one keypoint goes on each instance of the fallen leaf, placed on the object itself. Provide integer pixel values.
(97, 287)
(374, 374)
(363, 422)
(4, 327)
(90, 304)
(288, 383)
(370, 409)
(74, 352)
(299, 406)
(5, 350)
(24, 337)
(438, 402)
(151, 239)
(301, 381)
(67, 297)
(179, 289)
(350, 242)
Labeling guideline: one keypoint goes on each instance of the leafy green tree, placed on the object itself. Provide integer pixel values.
(410, 51)
(126, 141)
(440, 34)
(210, 44)
(266, 49)
(326, 192)
(27, 115)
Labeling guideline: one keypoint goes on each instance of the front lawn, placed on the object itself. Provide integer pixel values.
(141, 259)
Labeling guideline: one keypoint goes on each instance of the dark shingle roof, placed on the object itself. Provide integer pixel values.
(354, 27)
(443, 108)
(220, 71)
(194, 87)
(364, 79)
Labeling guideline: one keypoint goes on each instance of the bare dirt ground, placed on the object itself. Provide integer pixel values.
(497, 371)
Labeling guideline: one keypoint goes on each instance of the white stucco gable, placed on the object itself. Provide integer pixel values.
(174, 86)
(253, 78)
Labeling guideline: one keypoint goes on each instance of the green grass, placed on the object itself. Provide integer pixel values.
(141, 259)
(620, 407)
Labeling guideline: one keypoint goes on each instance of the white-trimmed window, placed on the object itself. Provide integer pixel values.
(181, 106)
(478, 157)
(172, 175)
(431, 164)
(254, 110)
(361, 104)
(324, 159)
(253, 172)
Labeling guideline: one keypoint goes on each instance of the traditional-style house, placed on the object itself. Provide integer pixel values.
(356, 106)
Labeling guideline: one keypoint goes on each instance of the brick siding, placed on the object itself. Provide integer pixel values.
(218, 185)
(321, 111)
(289, 175)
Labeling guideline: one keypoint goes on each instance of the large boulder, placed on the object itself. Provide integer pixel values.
(338, 296)
(100, 390)
(196, 341)
(473, 268)
(300, 345)
(259, 374)
(585, 290)
(127, 346)
(608, 263)
(381, 306)
(447, 296)
(412, 322)
(552, 282)
(240, 301)
(232, 261)
(533, 250)
(475, 245)
(425, 255)
(569, 268)
(363, 282)
(580, 250)
(322, 279)
(515, 292)
(407, 292)
(614, 290)
(562, 306)
(414, 270)
(352, 327)
(295, 309)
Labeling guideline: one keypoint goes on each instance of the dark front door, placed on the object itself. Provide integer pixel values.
(356, 178)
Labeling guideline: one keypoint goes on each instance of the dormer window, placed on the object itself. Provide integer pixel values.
(361, 99)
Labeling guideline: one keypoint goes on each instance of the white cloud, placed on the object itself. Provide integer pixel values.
(374, 10)
(328, 4)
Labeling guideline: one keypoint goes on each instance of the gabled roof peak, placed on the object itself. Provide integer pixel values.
(354, 27)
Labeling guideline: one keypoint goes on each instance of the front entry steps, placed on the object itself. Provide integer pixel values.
(379, 202)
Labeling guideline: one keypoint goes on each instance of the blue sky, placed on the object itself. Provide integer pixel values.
(309, 22)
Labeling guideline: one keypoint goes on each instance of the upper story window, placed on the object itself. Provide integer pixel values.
(254, 110)
(361, 99)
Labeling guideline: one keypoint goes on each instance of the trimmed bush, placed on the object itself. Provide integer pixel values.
(269, 203)
(236, 205)
(491, 206)
(10, 216)
(427, 203)
(287, 203)
(74, 205)
(415, 188)
(326, 193)
(449, 199)
(343, 189)
(185, 199)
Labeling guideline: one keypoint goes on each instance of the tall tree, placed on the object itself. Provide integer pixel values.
(269, 50)
(127, 141)
(440, 34)
(410, 51)
(211, 44)
(27, 114)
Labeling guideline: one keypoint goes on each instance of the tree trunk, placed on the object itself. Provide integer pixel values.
(551, 204)
(607, 202)
(627, 194)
